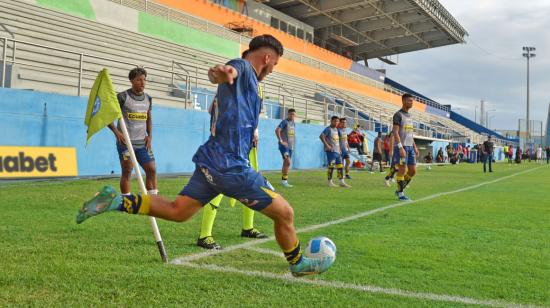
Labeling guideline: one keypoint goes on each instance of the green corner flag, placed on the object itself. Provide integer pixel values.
(103, 107)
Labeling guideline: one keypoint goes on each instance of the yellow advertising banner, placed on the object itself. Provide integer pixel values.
(37, 162)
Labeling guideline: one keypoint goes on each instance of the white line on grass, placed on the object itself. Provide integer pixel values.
(266, 251)
(204, 254)
(363, 288)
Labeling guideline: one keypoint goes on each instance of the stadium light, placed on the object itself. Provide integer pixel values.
(486, 124)
(528, 53)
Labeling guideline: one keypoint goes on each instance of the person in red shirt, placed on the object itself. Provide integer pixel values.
(510, 154)
(387, 149)
(355, 140)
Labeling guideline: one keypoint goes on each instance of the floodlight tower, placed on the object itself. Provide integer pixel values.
(528, 53)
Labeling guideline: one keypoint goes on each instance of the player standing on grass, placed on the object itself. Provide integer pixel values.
(222, 164)
(344, 145)
(393, 168)
(405, 151)
(136, 107)
(377, 153)
(285, 135)
(331, 141)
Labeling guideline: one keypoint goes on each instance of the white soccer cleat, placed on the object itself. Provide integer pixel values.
(388, 182)
(344, 184)
(285, 184)
(331, 184)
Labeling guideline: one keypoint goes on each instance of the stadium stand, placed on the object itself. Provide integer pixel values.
(49, 50)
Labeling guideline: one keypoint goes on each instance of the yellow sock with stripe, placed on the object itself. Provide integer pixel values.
(284, 177)
(248, 218)
(340, 170)
(407, 180)
(294, 255)
(209, 212)
(330, 171)
(135, 204)
(400, 183)
(391, 173)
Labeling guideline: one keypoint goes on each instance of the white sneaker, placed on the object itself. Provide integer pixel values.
(331, 184)
(344, 184)
(285, 184)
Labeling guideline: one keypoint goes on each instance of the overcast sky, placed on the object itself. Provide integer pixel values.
(490, 65)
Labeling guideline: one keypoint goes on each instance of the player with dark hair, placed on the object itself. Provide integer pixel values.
(331, 141)
(136, 108)
(222, 164)
(405, 150)
(285, 134)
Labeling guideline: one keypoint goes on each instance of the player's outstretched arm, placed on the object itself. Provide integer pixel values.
(222, 74)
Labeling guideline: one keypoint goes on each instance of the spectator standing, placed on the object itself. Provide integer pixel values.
(387, 145)
(488, 148)
(377, 152)
(510, 154)
(440, 158)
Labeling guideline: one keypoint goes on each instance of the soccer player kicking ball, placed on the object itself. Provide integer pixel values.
(209, 211)
(285, 135)
(405, 151)
(331, 140)
(222, 164)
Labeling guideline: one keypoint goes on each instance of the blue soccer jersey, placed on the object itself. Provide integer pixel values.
(233, 123)
(222, 162)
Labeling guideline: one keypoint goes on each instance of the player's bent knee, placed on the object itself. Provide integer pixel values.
(183, 208)
(280, 211)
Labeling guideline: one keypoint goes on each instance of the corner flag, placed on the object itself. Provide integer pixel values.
(103, 107)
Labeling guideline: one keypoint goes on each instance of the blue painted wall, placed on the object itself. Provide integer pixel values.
(44, 119)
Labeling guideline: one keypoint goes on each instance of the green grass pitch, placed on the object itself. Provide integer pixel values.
(484, 245)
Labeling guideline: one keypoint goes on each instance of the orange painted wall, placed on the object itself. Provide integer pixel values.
(221, 15)
(306, 72)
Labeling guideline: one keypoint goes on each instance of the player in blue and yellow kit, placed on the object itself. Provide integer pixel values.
(405, 151)
(331, 141)
(285, 134)
(222, 164)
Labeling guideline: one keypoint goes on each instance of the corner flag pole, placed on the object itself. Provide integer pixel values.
(143, 189)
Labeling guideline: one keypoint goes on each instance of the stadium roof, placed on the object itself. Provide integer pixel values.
(365, 29)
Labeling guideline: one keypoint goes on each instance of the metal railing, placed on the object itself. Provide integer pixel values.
(182, 77)
(200, 24)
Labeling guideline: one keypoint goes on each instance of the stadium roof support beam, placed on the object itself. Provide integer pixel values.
(313, 5)
(348, 16)
(438, 13)
(356, 26)
(393, 18)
